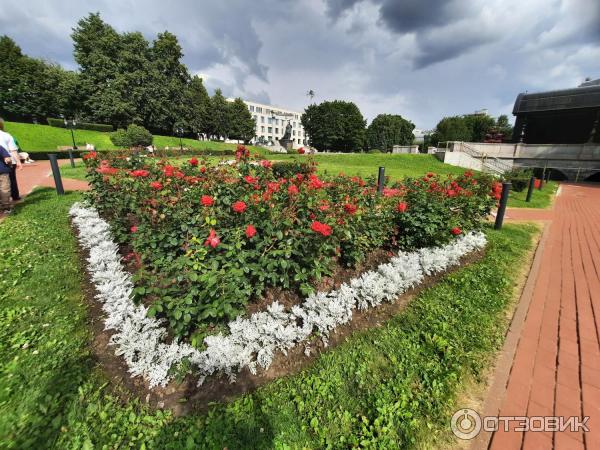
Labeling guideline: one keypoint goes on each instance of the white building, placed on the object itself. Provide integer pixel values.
(271, 122)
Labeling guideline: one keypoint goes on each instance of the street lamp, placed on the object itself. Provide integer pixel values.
(179, 132)
(71, 124)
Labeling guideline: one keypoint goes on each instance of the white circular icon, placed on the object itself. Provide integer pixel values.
(465, 424)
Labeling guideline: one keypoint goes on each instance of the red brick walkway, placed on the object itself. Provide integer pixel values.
(40, 174)
(556, 367)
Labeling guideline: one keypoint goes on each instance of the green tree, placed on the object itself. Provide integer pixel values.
(387, 130)
(219, 115)
(134, 136)
(504, 127)
(241, 123)
(334, 125)
(479, 125)
(196, 106)
(451, 129)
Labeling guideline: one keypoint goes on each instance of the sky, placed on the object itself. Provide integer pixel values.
(422, 59)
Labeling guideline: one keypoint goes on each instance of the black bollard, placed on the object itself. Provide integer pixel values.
(548, 175)
(71, 158)
(502, 206)
(530, 189)
(381, 179)
(56, 174)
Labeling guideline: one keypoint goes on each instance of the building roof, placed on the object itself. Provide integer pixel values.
(585, 96)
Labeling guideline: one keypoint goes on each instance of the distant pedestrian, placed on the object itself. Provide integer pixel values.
(5, 167)
(9, 144)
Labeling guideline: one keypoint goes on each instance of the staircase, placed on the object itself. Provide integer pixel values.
(489, 164)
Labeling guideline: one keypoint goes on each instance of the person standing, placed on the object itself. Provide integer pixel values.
(8, 142)
(5, 163)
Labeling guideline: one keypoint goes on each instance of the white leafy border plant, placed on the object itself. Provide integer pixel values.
(252, 341)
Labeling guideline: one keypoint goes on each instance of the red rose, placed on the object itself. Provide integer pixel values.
(455, 231)
(315, 183)
(194, 162)
(207, 200)
(272, 186)
(90, 155)
(321, 228)
(104, 170)
(250, 231)
(212, 239)
(250, 179)
(292, 189)
(468, 174)
(140, 173)
(266, 163)
(350, 208)
(391, 192)
(239, 207)
(133, 229)
(156, 185)
(169, 171)
(430, 174)
(301, 151)
(451, 193)
(202, 169)
(402, 207)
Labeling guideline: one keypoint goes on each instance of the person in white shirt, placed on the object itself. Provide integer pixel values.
(8, 142)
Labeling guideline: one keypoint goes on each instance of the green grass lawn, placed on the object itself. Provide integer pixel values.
(395, 386)
(44, 138)
(539, 198)
(364, 164)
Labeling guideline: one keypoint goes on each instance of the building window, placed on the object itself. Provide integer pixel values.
(270, 120)
(276, 130)
(262, 129)
(267, 111)
(270, 131)
(276, 121)
(262, 119)
(251, 108)
(299, 141)
(293, 132)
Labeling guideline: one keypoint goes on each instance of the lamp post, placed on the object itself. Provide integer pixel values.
(179, 132)
(71, 124)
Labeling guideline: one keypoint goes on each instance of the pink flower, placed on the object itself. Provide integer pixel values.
(266, 163)
(239, 207)
(292, 189)
(250, 231)
(133, 229)
(402, 207)
(212, 240)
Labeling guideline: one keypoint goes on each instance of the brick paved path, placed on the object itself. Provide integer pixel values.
(40, 174)
(556, 367)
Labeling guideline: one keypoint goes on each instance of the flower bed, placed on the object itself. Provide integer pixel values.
(251, 342)
(203, 241)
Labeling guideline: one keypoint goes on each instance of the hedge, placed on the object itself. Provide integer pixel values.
(59, 123)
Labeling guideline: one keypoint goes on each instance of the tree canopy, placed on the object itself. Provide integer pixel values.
(387, 130)
(334, 125)
(470, 128)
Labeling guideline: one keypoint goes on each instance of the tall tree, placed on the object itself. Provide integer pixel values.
(335, 125)
(241, 123)
(387, 130)
(196, 107)
(219, 115)
(479, 125)
(451, 129)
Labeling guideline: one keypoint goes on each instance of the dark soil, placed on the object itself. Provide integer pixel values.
(186, 397)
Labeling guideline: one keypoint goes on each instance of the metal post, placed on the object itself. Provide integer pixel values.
(530, 189)
(73, 138)
(56, 174)
(548, 175)
(502, 206)
(577, 176)
(381, 179)
(71, 158)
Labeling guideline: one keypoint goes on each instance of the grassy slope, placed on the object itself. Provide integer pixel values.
(391, 386)
(43, 138)
(539, 199)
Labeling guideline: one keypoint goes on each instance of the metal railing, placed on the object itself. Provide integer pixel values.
(491, 163)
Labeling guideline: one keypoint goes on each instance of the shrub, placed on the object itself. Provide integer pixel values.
(519, 179)
(134, 136)
(374, 150)
(60, 123)
(204, 240)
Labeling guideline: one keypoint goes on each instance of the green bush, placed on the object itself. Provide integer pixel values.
(287, 169)
(134, 136)
(519, 179)
(59, 123)
(374, 150)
